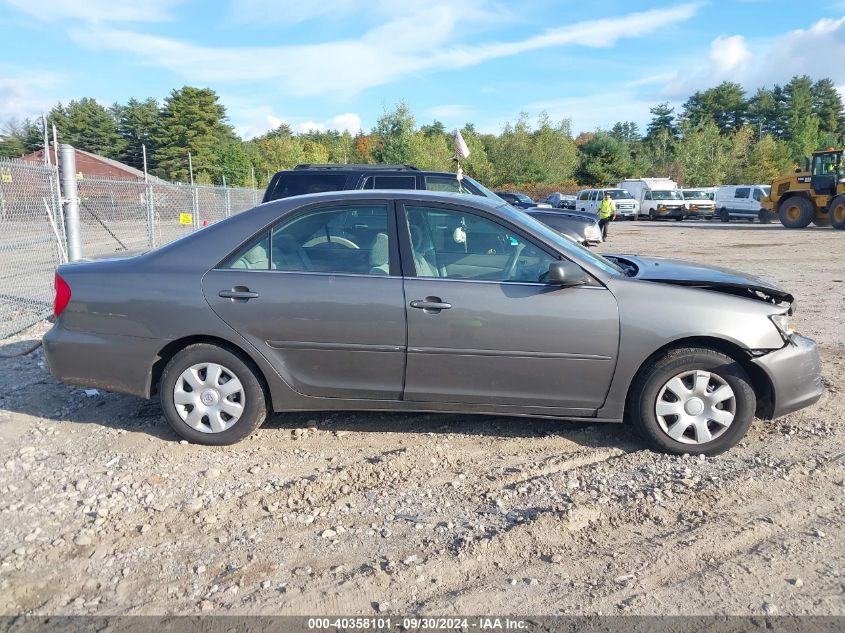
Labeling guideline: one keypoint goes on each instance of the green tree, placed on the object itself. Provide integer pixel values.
(768, 159)
(802, 124)
(604, 160)
(512, 155)
(626, 131)
(435, 129)
(137, 124)
(192, 120)
(395, 133)
(828, 108)
(12, 139)
(725, 104)
(702, 154)
(88, 126)
(554, 149)
(662, 120)
(234, 164)
(343, 149)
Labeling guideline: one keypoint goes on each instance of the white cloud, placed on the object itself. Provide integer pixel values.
(817, 51)
(23, 94)
(729, 54)
(410, 44)
(95, 11)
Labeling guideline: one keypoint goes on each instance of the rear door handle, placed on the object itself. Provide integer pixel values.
(238, 293)
(431, 305)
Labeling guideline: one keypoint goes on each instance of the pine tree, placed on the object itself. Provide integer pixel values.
(725, 105)
(802, 124)
(192, 121)
(828, 108)
(88, 126)
(137, 123)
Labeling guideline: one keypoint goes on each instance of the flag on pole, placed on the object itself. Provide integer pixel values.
(461, 149)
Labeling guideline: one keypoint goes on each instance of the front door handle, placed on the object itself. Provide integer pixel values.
(430, 305)
(238, 293)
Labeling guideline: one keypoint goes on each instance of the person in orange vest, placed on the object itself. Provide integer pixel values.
(607, 213)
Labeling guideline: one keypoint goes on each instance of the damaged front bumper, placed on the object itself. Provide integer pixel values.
(795, 373)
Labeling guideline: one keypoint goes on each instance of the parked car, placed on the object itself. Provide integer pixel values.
(699, 203)
(742, 202)
(311, 178)
(659, 198)
(516, 199)
(560, 200)
(588, 201)
(423, 301)
(583, 229)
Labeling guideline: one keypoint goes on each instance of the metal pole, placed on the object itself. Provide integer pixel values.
(45, 139)
(227, 210)
(55, 145)
(71, 203)
(148, 190)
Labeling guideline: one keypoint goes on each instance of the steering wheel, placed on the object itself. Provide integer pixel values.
(510, 267)
(322, 239)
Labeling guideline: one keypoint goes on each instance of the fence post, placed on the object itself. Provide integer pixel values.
(151, 223)
(71, 203)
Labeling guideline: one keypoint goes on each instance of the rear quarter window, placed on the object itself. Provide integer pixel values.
(288, 185)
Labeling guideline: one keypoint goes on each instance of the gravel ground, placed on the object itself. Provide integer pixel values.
(104, 511)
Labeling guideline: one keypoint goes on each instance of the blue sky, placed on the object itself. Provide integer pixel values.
(339, 63)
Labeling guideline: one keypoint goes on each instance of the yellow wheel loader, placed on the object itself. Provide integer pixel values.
(814, 194)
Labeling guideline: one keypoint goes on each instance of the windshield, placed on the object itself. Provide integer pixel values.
(571, 247)
(484, 190)
(666, 195)
(767, 189)
(696, 195)
(619, 194)
(522, 197)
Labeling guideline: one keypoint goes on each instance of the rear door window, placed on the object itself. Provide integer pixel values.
(293, 184)
(741, 192)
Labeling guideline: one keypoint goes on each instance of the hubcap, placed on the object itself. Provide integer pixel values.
(209, 397)
(793, 212)
(839, 213)
(695, 407)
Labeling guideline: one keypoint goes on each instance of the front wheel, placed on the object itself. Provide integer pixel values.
(692, 400)
(796, 212)
(209, 395)
(724, 215)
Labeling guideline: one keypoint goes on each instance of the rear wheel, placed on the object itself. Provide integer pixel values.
(210, 395)
(651, 215)
(692, 400)
(796, 212)
(724, 216)
(764, 216)
(837, 213)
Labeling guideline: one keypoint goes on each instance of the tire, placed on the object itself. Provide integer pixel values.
(764, 216)
(651, 215)
(837, 213)
(796, 212)
(724, 216)
(679, 219)
(251, 395)
(652, 389)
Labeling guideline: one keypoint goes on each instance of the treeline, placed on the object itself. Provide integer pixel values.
(720, 135)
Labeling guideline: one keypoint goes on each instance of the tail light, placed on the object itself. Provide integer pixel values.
(62, 296)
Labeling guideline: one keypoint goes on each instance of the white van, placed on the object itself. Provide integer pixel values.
(658, 197)
(588, 201)
(742, 202)
(699, 203)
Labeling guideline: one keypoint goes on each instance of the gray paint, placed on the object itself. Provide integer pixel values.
(338, 342)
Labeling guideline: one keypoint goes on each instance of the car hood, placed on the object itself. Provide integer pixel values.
(682, 273)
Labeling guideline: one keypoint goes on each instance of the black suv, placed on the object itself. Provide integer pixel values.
(304, 179)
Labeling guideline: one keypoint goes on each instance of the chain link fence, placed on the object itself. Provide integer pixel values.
(116, 217)
(31, 243)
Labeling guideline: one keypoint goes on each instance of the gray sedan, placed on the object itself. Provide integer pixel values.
(423, 301)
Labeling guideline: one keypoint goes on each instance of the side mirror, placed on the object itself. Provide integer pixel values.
(566, 274)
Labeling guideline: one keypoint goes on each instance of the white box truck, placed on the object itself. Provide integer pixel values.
(658, 197)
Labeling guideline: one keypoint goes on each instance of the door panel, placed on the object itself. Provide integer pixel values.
(327, 335)
(507, 343)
